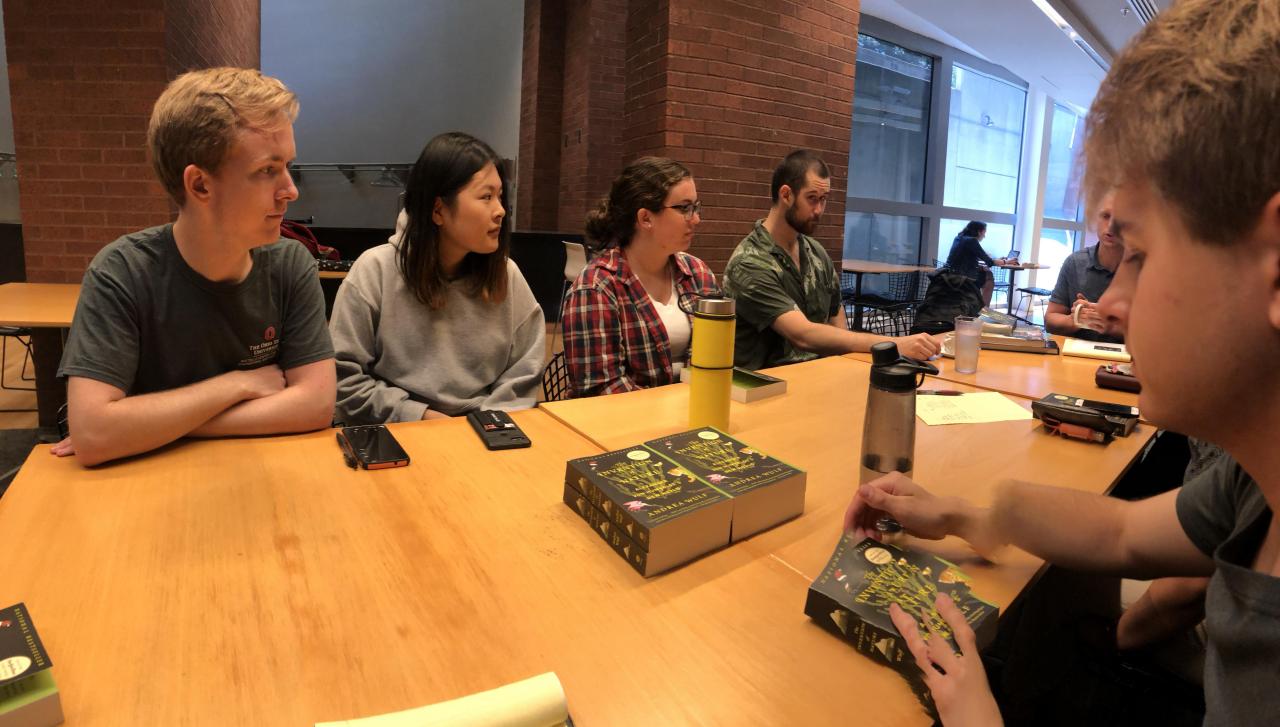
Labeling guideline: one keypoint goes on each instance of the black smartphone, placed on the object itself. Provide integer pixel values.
(372, 447)
(497, 430)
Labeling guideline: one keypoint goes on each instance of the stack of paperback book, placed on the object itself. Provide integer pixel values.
(28, 696)
(672, 499)
(852, 595)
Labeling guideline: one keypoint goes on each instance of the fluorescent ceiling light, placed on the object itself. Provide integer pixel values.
(1056, 18)
(1049, 10)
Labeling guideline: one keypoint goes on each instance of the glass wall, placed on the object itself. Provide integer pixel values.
(890, 121)
(984, 141)
(1055, 246)
(1062, 180)
(997, 243)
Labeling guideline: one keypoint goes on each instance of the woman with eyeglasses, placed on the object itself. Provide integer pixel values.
(626, 319)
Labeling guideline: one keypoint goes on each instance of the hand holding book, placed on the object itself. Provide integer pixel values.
(956, 680)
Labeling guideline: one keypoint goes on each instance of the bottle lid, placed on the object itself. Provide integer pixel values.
(719, 307)
(892, 371)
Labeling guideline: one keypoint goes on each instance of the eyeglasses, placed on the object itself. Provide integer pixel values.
(688, 209)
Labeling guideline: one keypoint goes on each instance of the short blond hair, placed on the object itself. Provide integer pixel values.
(196, 119)
(1192, 106)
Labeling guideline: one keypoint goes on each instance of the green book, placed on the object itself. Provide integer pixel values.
(28, 694)
(765, 490)
(851, 599)
(671, 514)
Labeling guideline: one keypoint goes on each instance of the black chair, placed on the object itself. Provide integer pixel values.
(23, 337)
(1029, 295)
(891, 314)
(555, 379)
(1002, 282)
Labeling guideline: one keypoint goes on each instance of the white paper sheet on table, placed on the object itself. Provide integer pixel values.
(976, 408)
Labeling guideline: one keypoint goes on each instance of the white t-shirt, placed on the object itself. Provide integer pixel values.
(676, 322)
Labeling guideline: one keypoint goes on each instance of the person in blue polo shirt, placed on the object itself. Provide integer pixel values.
(1085, 276)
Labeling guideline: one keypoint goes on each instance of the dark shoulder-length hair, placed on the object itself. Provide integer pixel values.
(446, 165)
(972, 229)
(644, 184)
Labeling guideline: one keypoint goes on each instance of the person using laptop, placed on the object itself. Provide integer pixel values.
(969, 258)
(210, 326)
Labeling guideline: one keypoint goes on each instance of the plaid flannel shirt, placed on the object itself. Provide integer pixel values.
(613, 338)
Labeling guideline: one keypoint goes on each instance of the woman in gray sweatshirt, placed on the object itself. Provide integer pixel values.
(439, 321)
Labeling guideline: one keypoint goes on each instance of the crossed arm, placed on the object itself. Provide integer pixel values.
(107, 425)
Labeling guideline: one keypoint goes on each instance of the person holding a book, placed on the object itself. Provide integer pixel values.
(212, 325)
(438, 321)
(1202, 76)
(628, 316)
(1084, 277)
(786, 288)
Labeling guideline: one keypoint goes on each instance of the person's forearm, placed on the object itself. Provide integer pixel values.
(295, 409)
(1169, 606)
(1066, 527)
(137, 424)
(829, 340)
(1060, 324)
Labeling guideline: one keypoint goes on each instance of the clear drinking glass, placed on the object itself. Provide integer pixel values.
(968, 333)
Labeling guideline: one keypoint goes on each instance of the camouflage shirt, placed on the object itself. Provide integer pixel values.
(764, 281)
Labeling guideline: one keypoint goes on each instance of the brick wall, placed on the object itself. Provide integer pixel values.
(203, 34)
(727, 87)
(82, 83)
(541, 100)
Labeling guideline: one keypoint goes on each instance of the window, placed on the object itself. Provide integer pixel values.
(997, 243)
(1055, 246)
(984, 141)
(936, 140)
(1062, 181)
(890, 122)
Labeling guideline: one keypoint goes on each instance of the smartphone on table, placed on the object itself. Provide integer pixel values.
(371, 446)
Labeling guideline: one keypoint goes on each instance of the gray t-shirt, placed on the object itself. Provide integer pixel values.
(1225, 516)
(147, 322)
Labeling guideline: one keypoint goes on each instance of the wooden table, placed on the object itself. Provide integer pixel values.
(47, 309)
(817, 426)
(1013, 275)
(260, 581)
(863, 267)
(1030, 375)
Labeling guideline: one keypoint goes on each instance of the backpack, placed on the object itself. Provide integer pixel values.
(950, 294)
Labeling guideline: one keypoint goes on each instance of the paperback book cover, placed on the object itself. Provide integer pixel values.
(28, 694)
(671, 514)
(765, 490)
(851, 599)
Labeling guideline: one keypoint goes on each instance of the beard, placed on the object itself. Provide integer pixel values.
(804, 227)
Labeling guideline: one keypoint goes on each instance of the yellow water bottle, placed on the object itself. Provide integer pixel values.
(711, 363)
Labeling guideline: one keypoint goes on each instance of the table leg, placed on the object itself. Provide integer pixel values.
(51, 393)
(857, 296)
(1013, 279)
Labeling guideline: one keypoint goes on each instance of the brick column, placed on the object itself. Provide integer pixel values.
(727, 87)
(541, 102)
(82, 82)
